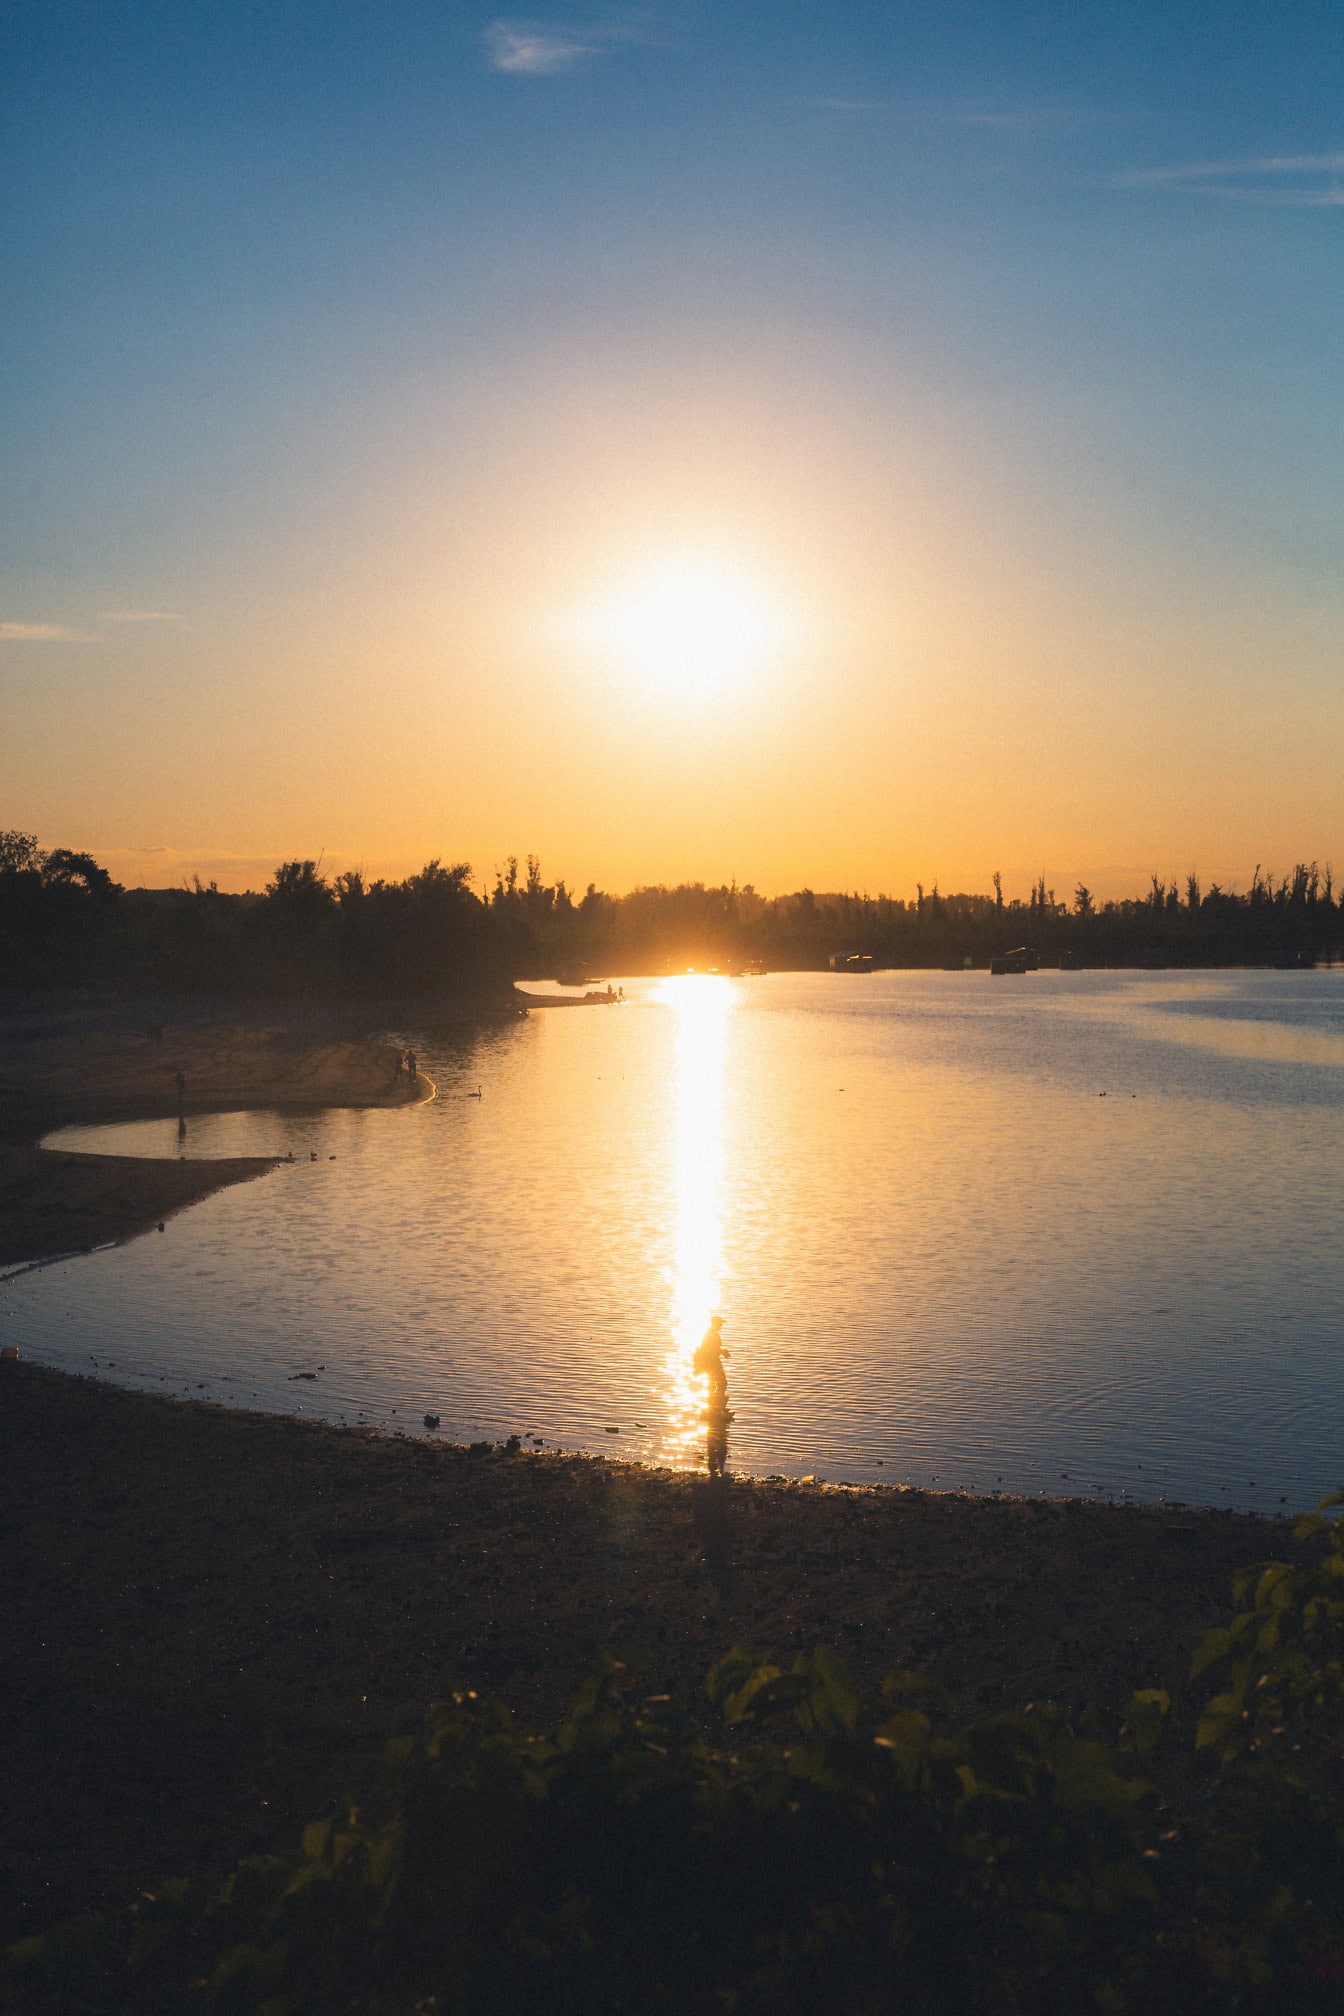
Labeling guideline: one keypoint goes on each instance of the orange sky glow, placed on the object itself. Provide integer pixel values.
(676, 457)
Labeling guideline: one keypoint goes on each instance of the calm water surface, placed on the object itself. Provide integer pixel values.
(1077, 1233)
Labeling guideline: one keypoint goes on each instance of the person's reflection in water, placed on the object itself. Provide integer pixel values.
(712, 1500)
(716, 1441)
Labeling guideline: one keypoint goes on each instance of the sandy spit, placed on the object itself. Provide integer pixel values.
(70, 1065)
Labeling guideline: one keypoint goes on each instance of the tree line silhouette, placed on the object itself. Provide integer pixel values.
(64, 922)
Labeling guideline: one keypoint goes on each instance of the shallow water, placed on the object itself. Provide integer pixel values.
(1076, 1233)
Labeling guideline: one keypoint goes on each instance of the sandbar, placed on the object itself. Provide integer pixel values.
(67, 1064)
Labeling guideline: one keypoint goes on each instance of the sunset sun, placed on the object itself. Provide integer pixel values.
(688, 628)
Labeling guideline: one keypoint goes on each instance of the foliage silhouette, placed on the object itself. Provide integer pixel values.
(64, 922)
(788, 1845)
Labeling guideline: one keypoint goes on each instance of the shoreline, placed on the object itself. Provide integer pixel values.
(90, 1066)
(217, 1618)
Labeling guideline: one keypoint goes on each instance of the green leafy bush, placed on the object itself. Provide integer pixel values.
(786, 1845)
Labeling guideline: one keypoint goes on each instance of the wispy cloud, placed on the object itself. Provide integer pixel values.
(1311, 181)
(955, 112)
(546, 48)
(853, 104)
(43, 633)
(156, 866)
(138, 616)
(161, 867)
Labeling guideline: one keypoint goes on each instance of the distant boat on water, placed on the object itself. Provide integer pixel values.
(1022, 959)
(851, 962)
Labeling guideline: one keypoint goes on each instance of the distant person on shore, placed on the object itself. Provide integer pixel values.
(708, 1359)
(411, 1066)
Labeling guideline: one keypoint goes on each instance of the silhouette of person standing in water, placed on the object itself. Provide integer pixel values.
(708, 1361)
(709, 1357)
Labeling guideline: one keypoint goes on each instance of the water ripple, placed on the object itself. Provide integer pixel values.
(942, 1255)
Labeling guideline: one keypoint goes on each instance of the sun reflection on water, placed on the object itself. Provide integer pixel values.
(702, 1002)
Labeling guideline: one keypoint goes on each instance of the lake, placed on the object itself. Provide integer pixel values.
(1071, 1233)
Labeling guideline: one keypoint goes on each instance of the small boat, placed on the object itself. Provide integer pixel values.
(1022, 959)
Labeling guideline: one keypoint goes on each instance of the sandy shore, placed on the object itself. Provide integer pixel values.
(96, 1064)
(214, 1620)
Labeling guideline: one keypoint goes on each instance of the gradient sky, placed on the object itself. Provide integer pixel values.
(353, 358)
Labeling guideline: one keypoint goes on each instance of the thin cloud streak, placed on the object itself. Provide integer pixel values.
(138, 616)
(1297, 199)
(1207, 171)
(154, 865)
(43, 633)
(1255, 179)
(547, 49)
(955, 112)
(852, 104)
(535, 52)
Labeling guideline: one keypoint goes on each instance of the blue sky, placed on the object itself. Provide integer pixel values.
(1032, 313)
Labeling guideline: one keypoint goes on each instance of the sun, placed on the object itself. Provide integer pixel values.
(689, 628)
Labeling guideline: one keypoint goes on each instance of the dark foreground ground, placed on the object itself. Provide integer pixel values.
(212, 1621)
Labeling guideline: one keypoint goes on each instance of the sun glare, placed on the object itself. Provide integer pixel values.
(702, 1003)
(688, 629)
